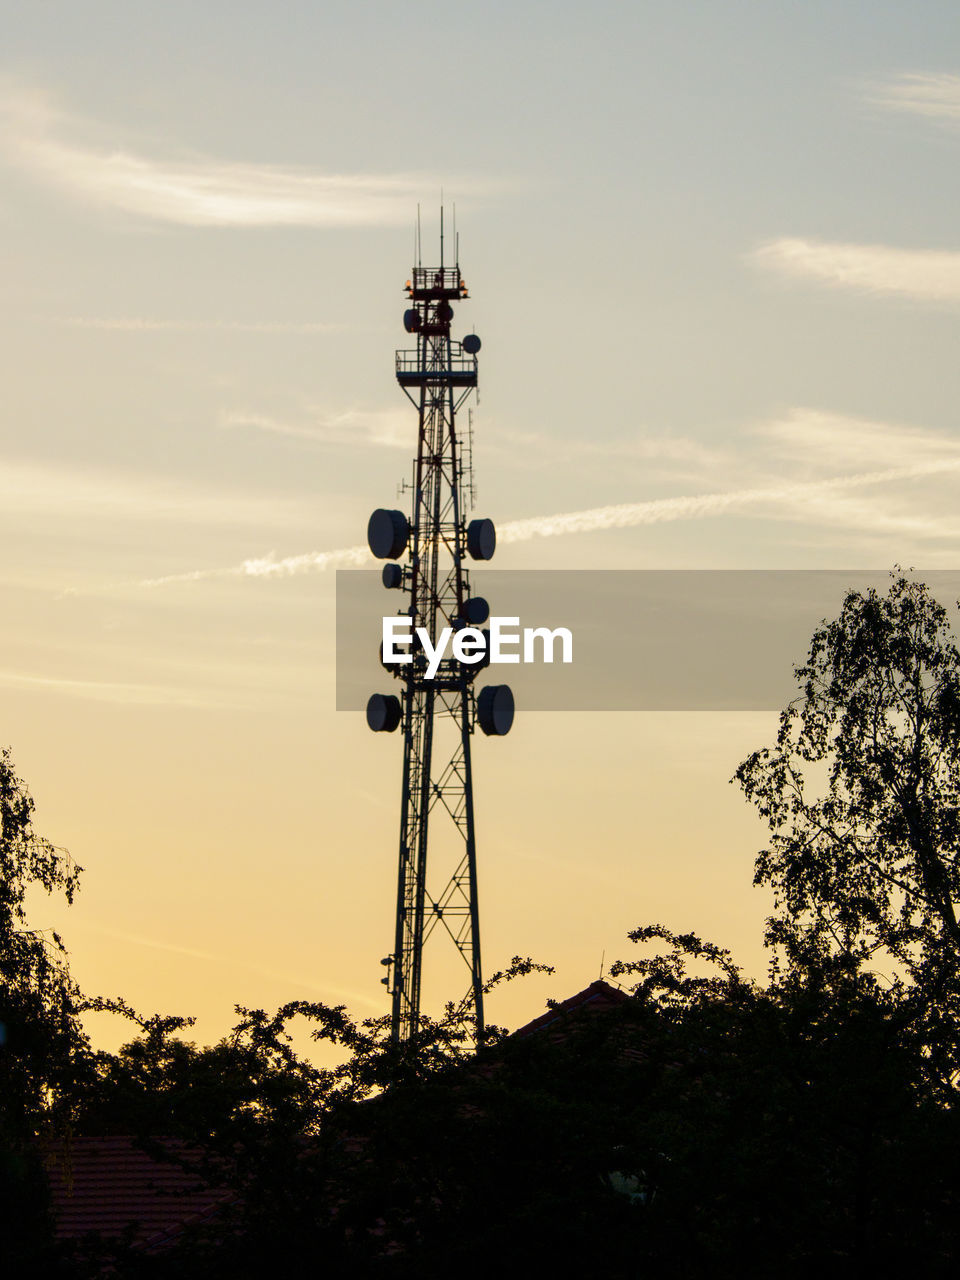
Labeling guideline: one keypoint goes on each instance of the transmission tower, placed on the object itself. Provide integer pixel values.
(429, 551)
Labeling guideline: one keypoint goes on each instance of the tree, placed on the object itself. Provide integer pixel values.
(38, 1000)
(42, 1046)
(784, 1121)
(285, 1141)
(703, 1125)
(862, 797)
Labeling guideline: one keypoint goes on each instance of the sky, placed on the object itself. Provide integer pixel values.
(713, 256)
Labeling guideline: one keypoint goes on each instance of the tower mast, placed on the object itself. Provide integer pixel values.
(437, 894)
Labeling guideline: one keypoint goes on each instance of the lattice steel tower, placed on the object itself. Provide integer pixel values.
(437, 894)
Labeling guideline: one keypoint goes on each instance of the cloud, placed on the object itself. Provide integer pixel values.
(395, 429)
(831, 441)
(231, 960)
(639, 446)
(929, 275)
(143, 324)
(390, 427)
(863, 514)
(824, 497)
(120, 692)
(270, 567)
(34, 489)
(198, 191)
(935, 95)
(697, 506)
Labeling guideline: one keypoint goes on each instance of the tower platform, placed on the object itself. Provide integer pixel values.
(456, 370)
(435, 283)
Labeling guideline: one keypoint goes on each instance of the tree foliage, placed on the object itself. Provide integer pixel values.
(38, 1000)
(704, 1124)
(862, 797)
(42, 1047)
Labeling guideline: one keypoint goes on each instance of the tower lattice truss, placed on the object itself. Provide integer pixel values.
(428, 553)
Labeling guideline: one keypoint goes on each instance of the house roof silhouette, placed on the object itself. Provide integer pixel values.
(112, 1186)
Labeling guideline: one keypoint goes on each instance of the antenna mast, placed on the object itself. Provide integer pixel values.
(436, 895)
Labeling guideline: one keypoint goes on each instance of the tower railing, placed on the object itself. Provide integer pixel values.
(457, 370)
(437, 282)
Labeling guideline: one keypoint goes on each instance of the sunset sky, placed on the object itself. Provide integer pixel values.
(714, 258)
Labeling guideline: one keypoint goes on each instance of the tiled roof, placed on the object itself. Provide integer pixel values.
(597, 998)
(109, 1185)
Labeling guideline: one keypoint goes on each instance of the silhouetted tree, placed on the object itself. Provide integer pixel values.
(789, 1121)
(862, 796)
(706, 1125)
(274, 1130)
(42, 1047)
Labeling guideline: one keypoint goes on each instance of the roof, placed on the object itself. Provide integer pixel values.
(599, 997)
(110, 1185)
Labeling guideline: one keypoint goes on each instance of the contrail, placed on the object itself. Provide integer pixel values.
(232, 961)
(268, 566)
(623, 515)
(662, 510)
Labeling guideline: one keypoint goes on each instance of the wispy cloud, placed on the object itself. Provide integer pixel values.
(775, 501)
(935, 95)
(697, 506)
(834, 441)
(197, 191)
(145, 324)
(232, 961)
(120, 692)
(929, 275)
(639, 446)
(863, 514)
(37, 489)
(390, 427)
